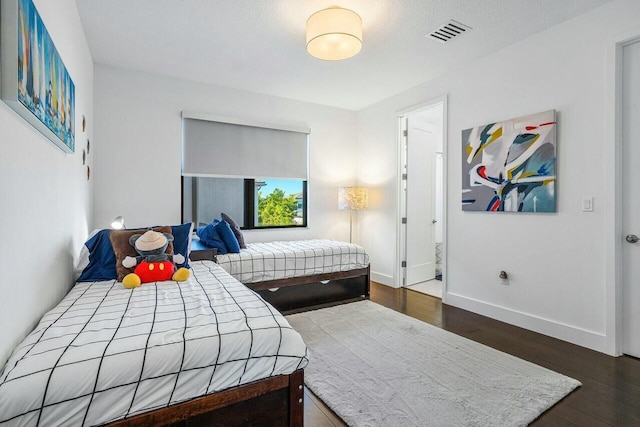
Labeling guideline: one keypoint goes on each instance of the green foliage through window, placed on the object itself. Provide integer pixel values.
(276, 208)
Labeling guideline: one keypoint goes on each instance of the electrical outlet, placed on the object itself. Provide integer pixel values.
(504, 278)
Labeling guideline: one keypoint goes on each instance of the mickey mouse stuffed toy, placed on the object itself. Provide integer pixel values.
(153, 264)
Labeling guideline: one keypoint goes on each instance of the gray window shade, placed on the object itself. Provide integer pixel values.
(217, 149)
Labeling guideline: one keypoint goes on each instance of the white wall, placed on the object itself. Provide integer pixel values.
(138, 148)
(46, 198)
(556, 262)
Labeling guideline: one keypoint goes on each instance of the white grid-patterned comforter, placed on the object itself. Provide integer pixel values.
(106, 352)
(281, 260)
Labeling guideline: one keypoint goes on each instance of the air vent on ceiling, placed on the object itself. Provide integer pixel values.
(448, 31)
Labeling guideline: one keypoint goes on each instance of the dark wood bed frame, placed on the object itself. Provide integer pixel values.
(274, 401)
(298, 294)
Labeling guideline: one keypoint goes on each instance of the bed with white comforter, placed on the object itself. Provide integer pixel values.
(106, 352)
(282, 260)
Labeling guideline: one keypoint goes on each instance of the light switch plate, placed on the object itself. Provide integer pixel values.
(587, 204)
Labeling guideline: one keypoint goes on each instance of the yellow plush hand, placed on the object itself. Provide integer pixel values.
(181, 275)
(131, 280)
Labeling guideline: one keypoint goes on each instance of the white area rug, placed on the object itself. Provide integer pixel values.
(376, 367)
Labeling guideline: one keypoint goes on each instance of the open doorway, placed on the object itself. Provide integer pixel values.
(630, 200)
(422, 198)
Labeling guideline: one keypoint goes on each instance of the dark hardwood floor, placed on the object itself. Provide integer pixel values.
(610, 392)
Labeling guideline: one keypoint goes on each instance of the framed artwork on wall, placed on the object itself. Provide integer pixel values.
(35, 81)
(510, 165)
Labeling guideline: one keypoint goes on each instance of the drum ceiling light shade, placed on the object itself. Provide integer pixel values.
(334, 34)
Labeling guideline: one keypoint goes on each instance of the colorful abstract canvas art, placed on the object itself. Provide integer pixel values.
(44, 86)
(510, 165)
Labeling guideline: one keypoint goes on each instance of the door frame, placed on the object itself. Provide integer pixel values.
(613, 216)
(400, 239)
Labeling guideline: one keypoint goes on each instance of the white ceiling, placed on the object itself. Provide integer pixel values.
(259, 45)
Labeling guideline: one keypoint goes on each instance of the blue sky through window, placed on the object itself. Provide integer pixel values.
(289, 186)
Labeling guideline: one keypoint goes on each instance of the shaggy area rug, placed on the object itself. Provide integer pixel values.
(376, 367)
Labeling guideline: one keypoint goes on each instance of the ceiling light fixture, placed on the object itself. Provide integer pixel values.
(334, 34)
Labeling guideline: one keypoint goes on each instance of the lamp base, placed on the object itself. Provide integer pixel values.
(350, 225)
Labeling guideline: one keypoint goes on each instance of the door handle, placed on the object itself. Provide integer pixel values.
(632, 238)
(433, 221)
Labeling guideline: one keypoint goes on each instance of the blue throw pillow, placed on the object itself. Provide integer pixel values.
(219, 235)
(236, 230)
(182, 241)
(226, 234)
(102, 259)
(208, 235)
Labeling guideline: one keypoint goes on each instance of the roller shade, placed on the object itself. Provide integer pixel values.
(223, 149)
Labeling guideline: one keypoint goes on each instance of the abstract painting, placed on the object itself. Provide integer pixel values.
(510, 165)
(39, 79)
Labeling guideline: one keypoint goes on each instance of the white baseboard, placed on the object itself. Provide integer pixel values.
(582, 337)
(385, 279)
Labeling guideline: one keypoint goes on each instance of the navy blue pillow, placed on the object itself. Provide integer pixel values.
(181, 240)
(228, 237)
(102, 259)
(208, 235)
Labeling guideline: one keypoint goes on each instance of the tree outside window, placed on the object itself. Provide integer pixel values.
(279, 203)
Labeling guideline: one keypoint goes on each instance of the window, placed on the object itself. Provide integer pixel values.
(230, 166)
(279, 202)
(252, 203)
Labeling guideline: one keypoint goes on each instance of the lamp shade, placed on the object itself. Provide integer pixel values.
(334, 34)
(117, 223)
(353, 198)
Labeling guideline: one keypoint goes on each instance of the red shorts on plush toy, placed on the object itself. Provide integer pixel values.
(154, 271)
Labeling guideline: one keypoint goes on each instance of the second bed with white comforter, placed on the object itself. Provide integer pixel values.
(282, 260)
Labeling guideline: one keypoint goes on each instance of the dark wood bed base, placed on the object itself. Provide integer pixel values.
(275, 401)
(296, 281)
(311, 293)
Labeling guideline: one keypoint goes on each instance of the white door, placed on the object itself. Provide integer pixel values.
(420, 195)
(631, 199)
